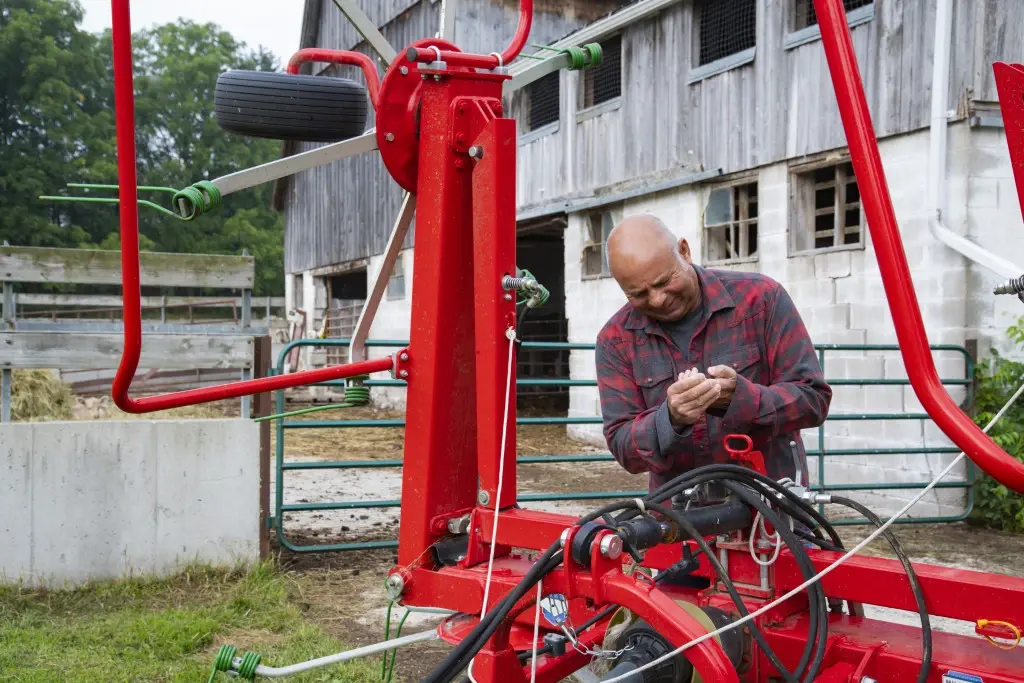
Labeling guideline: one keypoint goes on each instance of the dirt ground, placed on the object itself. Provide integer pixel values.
(345, 590)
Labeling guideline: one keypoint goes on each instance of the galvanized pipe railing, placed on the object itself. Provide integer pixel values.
(820, 453)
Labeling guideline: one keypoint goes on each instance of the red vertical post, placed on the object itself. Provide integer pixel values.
(439, 471)
(494, 246)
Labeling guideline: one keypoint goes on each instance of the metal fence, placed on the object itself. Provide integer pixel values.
(822, 452)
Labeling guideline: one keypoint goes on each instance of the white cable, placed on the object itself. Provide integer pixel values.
(759, 524)
(511, 334)
(536, 632)
(814, 579)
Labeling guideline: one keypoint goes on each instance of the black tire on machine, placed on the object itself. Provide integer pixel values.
(282, 106)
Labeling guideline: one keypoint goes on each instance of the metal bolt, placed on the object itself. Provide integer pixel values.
(484, 497)
(508, 297)
(404, 70)
(868, 679)
(403, 356)
(390, 137)
(394, 586)
(403, 373)
(458, 525)
(437, 78)
(476, 152)
(611, 546)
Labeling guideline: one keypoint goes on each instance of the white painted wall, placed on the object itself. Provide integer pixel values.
(96, 500)
(391, 322)
(842, 301)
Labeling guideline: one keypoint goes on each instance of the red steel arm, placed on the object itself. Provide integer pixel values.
(490, 61)
(350, 57)
(124, 106)
(892, 260)
(1010, 86)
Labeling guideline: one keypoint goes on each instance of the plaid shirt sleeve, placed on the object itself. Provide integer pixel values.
(796, 396)
(641, 439)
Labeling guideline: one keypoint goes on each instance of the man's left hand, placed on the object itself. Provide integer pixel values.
(726, 378)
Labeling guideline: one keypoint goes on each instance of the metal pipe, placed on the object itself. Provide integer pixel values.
(350, 57)
(124, 106)
(280, 672)
(937, 154)
(491, 61)
(892, 260)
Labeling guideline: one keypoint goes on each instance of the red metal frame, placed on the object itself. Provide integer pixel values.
(429, 119)
(1010, 86)
(350, 57)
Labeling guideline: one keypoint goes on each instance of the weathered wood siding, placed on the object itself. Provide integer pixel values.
(344, 211)
(780, 106)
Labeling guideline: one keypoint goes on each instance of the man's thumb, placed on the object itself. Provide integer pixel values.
(720, 371)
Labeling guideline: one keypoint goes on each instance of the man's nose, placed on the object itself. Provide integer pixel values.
(656, 299)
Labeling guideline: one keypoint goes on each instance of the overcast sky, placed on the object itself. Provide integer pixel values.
(275, 24)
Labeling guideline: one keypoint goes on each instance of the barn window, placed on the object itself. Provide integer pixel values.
(603, 83)
(826, 209)
(730, 224)
(597, 226)
(542, 102)
(804, 14)
(725, 28)
(396, 283)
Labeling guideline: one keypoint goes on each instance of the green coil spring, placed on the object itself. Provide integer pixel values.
(225, 661)
(356, 393)
(587, 56)
(188, 204)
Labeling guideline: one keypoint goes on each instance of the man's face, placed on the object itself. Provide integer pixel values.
(663, 285)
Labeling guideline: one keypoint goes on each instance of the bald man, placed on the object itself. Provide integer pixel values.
(697, 354)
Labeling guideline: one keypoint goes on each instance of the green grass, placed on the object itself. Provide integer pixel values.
(163, 630)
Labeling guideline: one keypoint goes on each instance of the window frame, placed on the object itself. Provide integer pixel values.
(583, 111)
(734, 185)
(614, 214)
(699, 72)
(795, 37)
(527, 134)
(797, 226)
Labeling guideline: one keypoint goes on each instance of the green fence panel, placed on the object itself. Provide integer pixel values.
(281, 425)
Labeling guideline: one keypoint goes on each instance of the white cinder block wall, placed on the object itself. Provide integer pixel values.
(842, 301)
(391, 322)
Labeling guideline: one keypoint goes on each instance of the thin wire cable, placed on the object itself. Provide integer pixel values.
(501, 478)
(818, 577)
(536, 632)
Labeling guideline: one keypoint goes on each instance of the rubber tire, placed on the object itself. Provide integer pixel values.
(283, 106)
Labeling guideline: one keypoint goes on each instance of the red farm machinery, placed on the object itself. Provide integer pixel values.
(537, 596)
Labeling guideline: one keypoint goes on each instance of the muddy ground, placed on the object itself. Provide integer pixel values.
(345, 590)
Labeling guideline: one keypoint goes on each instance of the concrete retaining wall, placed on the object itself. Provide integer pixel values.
(93, 500)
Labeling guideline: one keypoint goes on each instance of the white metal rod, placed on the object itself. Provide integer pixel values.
(6, 375)
(366, 29)
(448, 20)
(937, 154)
(271, 672)
(279, 168)
(536, 71)
(357, 350)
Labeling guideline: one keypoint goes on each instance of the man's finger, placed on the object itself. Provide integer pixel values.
(722, 372)
(694, 393)
(685, 382)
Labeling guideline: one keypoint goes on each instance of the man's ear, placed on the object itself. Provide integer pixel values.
(684, 249)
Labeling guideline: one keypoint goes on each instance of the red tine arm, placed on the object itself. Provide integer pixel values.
(482, 61)
(350, 57)
(892, 261)
(124, 105)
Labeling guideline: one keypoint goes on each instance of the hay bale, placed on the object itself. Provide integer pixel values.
(37, 395)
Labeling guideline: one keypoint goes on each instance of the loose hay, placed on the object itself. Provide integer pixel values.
(37, 395)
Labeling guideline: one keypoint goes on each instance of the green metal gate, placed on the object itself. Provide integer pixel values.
(822, 452)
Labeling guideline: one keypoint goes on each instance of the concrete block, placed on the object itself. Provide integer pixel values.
(832, 264)
(847, 399)
(881, 335)
(870, 316)
(108, 499)
(772, 248)
(841, 337)
(866, 288)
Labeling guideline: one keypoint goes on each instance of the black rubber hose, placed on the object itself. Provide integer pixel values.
(723, 576)
(915, 585)
(817, 603)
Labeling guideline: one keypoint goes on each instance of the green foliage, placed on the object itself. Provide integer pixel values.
(57, 127)
(998, 379)
(164, 630)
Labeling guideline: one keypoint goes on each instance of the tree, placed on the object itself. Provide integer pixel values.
(57, 127)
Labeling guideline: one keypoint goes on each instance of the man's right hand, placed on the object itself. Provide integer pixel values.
(689, 396)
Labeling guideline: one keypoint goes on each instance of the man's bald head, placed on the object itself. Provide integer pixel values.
(653, 268)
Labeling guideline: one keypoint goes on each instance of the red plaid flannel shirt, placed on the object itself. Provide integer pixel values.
(750, 323)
